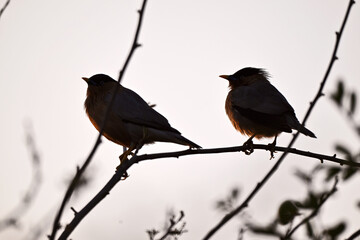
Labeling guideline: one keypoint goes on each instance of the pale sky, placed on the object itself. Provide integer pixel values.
(47, 46)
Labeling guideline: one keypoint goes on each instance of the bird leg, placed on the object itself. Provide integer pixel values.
(249, 146)
(272, 148)
(124, 157)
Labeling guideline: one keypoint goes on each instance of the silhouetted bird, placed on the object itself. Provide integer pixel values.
(257, 109)
(131, 122)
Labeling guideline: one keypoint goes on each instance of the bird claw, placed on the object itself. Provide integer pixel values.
(248, 147)
(123, 158)
(272, 149)
(125, 174)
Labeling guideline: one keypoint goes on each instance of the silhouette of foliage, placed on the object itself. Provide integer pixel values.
(173, 228)
(228, 204)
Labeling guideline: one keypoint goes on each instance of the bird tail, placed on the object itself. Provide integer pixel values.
(167, 136)
(295, 124)
(187, 142)
(306, 131)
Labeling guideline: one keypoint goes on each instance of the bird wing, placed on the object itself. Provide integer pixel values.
(261, 97)
(264, 104)
(130, 107)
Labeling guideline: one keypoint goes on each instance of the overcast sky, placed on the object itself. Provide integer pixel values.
(47, 46)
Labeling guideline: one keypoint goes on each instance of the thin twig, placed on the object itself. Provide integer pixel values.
(98, 198)
(32, 191)
(172, 230)
(354, 235)
(324, 198)
(80, 171)
(177, 154)
(258, 186)
(4, 7)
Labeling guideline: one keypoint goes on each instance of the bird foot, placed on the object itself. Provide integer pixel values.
(248, 147)
(123, 158)
(272, 149)
(125, 174)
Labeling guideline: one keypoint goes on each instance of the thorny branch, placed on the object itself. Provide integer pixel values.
(177, 154)
(127, 164)
(136, 159)
(259, 185)
(324, 198)
(81, 170)
(33, 189)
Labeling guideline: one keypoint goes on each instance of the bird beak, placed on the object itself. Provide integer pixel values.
(85, 79)
(225, 76)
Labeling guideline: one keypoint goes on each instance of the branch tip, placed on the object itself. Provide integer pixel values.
(73, 209)
(72, 225)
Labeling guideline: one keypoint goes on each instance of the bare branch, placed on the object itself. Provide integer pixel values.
(4, 7)
(178, 154)
(354, 235)
(172, 230)
(324, 198)
(320, 93)
(98, 198)
(80, 171)
(33, 189)
(136, 159)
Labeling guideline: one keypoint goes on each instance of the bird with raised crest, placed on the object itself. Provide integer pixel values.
(257, 109)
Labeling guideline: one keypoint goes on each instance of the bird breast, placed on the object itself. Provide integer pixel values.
(246, 126)
(115, 129)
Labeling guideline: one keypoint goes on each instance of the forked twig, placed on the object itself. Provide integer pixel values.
(81, 170)
(323, 199)
(258, 186)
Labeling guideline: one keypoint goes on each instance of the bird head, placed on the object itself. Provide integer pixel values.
(98, 80)
(246, 76)
(99, 84)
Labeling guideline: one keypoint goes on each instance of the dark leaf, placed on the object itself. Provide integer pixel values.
(305, 177)
(235, 193)
(309, 230)
(317, 168)
(358, 130)
(267, 230)
(353, 99)
(229, 202)
(342, 149)
(338, 95)
(311, 201)
(221, 205)
(332, 172)
(288, 210)
(241, 234)
(348, 173)
(335, 231)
